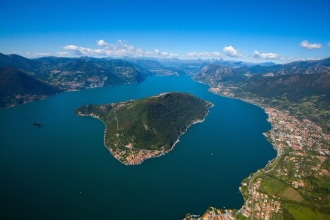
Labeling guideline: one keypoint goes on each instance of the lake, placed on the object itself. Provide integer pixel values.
(63, 171)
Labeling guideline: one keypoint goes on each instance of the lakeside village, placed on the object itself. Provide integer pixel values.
(300, 154)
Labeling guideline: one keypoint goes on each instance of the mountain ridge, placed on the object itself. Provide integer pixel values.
(17, 87)
(66, 74)
(304, 87)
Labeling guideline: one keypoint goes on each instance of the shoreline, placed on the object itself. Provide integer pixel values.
(293, 140)
(158, 153)
(268, 119)
(231, 213)
(252, 102)
(143, 159)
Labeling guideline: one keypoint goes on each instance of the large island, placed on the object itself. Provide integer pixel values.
(146, 128)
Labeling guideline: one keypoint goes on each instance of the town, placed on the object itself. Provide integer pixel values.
(302, 154)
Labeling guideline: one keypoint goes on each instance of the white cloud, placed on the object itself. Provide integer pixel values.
(102, 43)
(62, 53)
(83, 51)
(122, 48)
(119, 45)
(232, 52)
(310, 46)
(203, 55)
(71, 47)
(125, 45)
(256, 54)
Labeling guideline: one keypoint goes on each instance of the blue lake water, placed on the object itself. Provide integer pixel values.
(63, 171)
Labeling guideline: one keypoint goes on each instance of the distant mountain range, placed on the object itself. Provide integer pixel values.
(302, 87)
(156, 68)
(76, 73)
(24, 80)
(296, 79)
(57, 74)
(65, 74)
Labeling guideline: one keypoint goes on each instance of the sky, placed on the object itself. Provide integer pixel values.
(280, 31)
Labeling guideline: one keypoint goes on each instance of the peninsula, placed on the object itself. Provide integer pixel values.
(137, 130)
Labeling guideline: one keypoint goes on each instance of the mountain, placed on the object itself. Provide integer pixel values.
(17, 62)
(224, 71)
(145, 128)
(156, 68)
(298, 67)
(64, 74)
(80, 73)
(16, 87)
(215, 73)
(304, 95)
(76, 73)
(189, 66)
(294, 86)
(302, 87)
(305, 67)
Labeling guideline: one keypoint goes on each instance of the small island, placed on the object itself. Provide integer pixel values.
(137, 130)
(36, 125)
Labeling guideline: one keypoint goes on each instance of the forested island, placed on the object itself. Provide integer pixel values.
(147, 128)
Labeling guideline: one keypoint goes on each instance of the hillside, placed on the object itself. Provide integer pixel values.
(141, 129)
(76, 73)
(304, 96)
(296, 97)
(295, 86)
(297, 67)
(215, 73)
(68, 74)
(16, 87)
(302, 87)
(156, 68)
(223, 71)
(17, 62)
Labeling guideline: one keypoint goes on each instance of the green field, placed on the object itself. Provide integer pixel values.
(304, 213)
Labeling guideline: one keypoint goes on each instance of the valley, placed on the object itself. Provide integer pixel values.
(295, 96)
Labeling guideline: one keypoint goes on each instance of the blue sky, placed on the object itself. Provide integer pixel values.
(248, 30)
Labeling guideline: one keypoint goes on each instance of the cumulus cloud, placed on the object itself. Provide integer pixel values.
(258, 55)
(102, 43)
(122, 48)
(71, 47)
(119, 45)
(232, 52)
(310, 46)
(83, 51)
